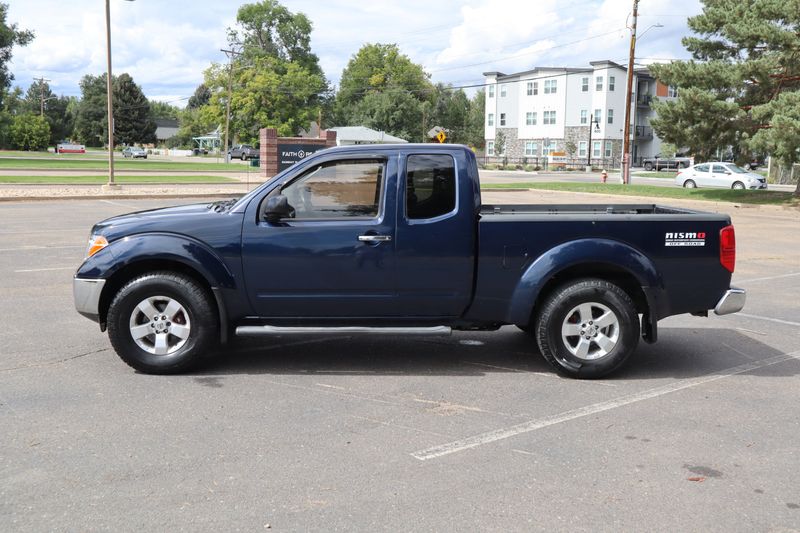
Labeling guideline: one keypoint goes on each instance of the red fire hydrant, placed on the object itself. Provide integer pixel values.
(604, 176)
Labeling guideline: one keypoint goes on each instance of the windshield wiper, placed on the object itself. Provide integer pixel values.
(222, 205)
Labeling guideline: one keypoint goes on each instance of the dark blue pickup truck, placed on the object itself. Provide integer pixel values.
(394, 239)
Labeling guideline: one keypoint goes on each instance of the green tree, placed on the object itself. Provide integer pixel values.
(91, 120)
(377, 78)
(741, 86)
(276, 80)
(499, 143)
(132, 121)
(451, 110)
(475, 129)
(10, 35)
(163, 110)
(200, 97)
(57, 110)
(29, 132)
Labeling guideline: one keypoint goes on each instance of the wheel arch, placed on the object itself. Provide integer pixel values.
(604, 259)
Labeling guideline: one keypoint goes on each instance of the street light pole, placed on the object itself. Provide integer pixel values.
(231, 54)
(626, 141)
(110, 183)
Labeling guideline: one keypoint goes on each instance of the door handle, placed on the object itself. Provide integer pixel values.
(374, 238)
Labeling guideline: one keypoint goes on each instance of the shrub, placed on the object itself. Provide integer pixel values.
(30, 132)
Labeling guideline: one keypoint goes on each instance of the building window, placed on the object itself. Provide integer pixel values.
(672, 92)
(550, 86)
(610, 116)
(598, 83)
(530, 118)
(490, 121)
(503, 90)
(489, 147)
(491, 91)
(598, 116)
(609, 144)
(584, 116)
(595, 148)
(502, 119)
(530, 88)
(531, 148)
(549, 117)
(585, 84)
(547, 149)
(582, 147)
(612, 81)
(535, 88)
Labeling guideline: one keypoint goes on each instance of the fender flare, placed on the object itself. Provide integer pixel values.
(574, 253)
(190, 252)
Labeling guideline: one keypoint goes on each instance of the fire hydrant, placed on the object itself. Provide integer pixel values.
(604, 176)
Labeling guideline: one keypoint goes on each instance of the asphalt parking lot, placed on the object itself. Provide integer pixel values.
(472, 432)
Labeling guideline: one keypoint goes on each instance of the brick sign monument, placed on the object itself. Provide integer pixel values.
(279, 153)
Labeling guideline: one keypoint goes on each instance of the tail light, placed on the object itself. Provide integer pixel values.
(727, 248)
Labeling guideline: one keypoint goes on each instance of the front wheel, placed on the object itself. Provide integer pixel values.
(690, 184)
(738, 186)
(648, 166)
(588, 328)
(162, 323)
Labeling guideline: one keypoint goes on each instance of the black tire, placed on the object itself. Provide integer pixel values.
(558, 311)
(748, 166)
(648, 166)
(689, 184)
(195, 302)
(738, 186)
(243, 158)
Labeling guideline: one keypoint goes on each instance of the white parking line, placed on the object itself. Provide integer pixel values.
(532, 425)
(45, 269)
(753, 280)
(32, 247)
(119, 204)
(769, 319)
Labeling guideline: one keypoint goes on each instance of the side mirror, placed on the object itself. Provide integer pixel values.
(276, 208)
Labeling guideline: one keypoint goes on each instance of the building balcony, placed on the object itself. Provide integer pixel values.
(644, 100)
(643, 133)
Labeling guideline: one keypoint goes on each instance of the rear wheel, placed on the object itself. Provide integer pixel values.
(648, 166)
(162, 323)
(588, 328)
(690, 184)
(738, 186)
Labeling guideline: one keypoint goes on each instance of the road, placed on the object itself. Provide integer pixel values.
(470, 432)
(504, 176)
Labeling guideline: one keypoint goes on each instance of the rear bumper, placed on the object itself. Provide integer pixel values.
(731, 302)
(86, 293)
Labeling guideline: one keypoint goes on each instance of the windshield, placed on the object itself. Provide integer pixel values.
(736, 170)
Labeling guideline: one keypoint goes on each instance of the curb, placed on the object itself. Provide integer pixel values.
(113, 197)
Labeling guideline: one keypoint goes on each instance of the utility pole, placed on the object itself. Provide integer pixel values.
(626, 141)
(231, 54)
(41, 81)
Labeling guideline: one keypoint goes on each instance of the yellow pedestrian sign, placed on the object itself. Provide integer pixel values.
(441, 137)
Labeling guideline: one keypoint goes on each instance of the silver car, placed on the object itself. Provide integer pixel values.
(717, 174)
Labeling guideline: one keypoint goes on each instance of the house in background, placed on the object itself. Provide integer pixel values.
(166, 128)
(346, 135)
(547, 109)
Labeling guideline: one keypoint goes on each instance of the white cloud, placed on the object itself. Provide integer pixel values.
(166, 46)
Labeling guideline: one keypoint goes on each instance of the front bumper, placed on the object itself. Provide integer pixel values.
(731, 302)
(86, 293)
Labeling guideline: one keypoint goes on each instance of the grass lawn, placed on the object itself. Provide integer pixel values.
(67, 163)
(77, 180)
(717, 195)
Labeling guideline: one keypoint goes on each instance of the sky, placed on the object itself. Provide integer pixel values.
(167, 44)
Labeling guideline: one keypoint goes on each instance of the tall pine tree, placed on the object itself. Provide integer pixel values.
(742, 86)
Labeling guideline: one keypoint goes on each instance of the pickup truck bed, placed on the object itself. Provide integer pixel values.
(394, 239)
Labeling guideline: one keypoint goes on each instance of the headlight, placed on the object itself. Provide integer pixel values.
(96, 243)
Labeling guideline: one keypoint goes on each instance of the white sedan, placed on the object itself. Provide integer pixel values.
(716, 174)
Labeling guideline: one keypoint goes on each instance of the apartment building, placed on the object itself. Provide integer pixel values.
(549, 109)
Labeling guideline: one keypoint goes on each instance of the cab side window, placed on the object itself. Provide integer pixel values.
(338, 189)
(430, 186)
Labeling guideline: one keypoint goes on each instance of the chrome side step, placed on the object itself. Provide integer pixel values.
(244, 331)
